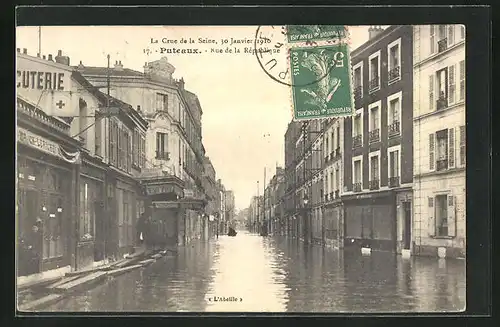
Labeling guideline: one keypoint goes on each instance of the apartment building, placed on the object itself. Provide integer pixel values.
(439, 219)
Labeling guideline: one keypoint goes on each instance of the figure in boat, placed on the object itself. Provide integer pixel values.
(231, 232)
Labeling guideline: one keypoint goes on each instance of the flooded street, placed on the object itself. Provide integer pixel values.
(249, 273)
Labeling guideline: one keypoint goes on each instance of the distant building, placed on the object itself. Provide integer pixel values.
(439, 219)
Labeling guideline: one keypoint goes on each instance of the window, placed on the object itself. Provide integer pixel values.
(180, 153)
(161, 102)
(98, 137)
(142, 151)
(162, 146)
(442, 88)
(462, 145)
(332, 138)
(394, 114)
(442, 222)
(394, 55)
(444, 149)
(135, 148)
(462, 79)
(442, 40)
(374, 82)
(129, 152)
(357, 178)
(394, 168)
(462, 32)
(337, 181)
(431, 92)
(86, 211)
(451, 34)
(330, 187)
(119, 137)
(374, 111)
(357, 129)
(358, 80)
(374, 172)
(112, 142)
(338, 138)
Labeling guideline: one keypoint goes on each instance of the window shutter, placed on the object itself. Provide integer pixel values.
(451, 84)
(451, 34)
(157, 144)
(432, 158)
(432, 39)
(462, 145)
(452, 224)
(462, 79)
(451, 148)
(431, 221)
(431, 92)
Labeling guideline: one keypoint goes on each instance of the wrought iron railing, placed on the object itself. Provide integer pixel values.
(374, 83)
(442, 45)
(393, 128)
(356, 187)
(374, 135)
(374, 184)
(357, 141)
(358, 92)
(394, 181)
(442, 164)
(441, 103)
(394, 73)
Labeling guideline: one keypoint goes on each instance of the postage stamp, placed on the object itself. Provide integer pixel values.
(304, 33)
(323, 74)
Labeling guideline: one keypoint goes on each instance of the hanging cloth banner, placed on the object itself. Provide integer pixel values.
(74, 157)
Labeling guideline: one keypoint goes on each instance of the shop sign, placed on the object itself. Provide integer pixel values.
(159, 189)
(165, 205)
(35, 141)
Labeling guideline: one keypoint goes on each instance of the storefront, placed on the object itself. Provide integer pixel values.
(334, 226)
(46, 165)
(370, 221)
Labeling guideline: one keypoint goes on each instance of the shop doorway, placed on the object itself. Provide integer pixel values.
(407, 225)
(30, 233)
(100, 231)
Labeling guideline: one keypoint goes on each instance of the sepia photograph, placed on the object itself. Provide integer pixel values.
(290, 168)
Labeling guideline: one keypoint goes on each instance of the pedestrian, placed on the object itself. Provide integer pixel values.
(140, 228)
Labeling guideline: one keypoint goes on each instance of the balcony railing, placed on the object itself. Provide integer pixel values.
(374, 135)
(442, 45)
(393, 129)
(442, 164)
(356, 187)
(441, 103)
(394, 73)
(374, 184)
(394, 181)
(163, 155)
(337, 193)
(357, 141)
(331, 196)
(374, 84)
(358, 92)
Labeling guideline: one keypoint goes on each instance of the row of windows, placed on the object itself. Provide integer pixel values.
(394, 105)
(120, 149)
(393, 169)
(441, 37)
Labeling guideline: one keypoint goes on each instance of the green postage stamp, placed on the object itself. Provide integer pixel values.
(321, 82)
(303, 33)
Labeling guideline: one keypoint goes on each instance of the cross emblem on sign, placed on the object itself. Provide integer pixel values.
(60, 104)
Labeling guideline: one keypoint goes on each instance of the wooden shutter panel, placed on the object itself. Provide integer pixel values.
(432, 38)
(432, 158)
(431, 92)
(462, 145)
(431, 221)
(462, 79)
(451, 148)
(451, 84)
(157, 145)
(452, 223)
(451, 34)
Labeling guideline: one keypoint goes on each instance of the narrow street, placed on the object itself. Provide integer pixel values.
(280, 275)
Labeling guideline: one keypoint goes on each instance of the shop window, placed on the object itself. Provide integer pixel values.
(86, 211)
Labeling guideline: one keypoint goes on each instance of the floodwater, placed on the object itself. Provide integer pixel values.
(250, 273)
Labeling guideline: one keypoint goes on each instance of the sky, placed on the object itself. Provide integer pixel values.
(245, 112)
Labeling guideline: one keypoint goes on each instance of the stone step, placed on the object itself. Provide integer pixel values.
(81, 283)
(43, 301)
(120, 271)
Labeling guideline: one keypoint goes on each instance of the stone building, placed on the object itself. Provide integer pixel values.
(439, 215)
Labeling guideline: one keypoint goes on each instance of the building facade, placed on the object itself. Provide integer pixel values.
(439, 221)
(290, 178)
(174, 149)
(333, 140)
(378, 142)
(212, 195)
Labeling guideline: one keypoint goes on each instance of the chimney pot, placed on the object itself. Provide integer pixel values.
(25, 51)
(59, 53)
(50, 57)
(18, 50)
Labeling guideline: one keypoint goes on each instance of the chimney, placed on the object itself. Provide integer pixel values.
(25, 51)
(118, 65)
(50, 58)
(60, 59)
(80, 66)
(18, 50)
(180, 83)
(374, 31)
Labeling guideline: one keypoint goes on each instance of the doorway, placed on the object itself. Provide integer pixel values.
(30, 233)
(100, 231)
(407, 225)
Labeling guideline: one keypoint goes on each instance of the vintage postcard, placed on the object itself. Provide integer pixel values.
(300, 168)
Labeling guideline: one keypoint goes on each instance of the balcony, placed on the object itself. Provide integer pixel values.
(337, 194)
(356, 187)
(374, 184)
(394, 181)
(441, 103)
(357, 141)
(442, 164)
(162, 155)
(394, 74)
(358, 92)
(393, 129)
(374, 135)
(442, 45)
(374, 84)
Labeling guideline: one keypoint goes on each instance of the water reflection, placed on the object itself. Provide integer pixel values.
(257, 274)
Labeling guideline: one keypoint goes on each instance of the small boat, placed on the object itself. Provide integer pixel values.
(231, 232)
